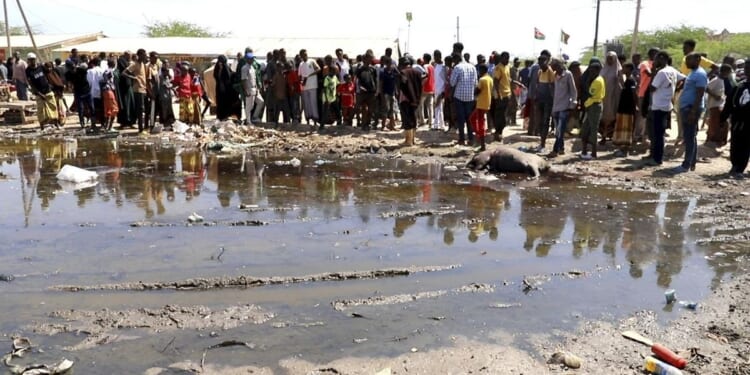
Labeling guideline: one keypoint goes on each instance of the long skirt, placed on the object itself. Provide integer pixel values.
(46, 108)
(187, 108)
(111, 109)
(624, 126)
(718, 131)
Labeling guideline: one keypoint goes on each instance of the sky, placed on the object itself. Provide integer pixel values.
(499, 25)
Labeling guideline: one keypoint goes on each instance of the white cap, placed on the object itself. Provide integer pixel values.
(31, 55)
(740, 62)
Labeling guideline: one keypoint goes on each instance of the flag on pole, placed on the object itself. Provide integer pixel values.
(564, 37)
(538, 35)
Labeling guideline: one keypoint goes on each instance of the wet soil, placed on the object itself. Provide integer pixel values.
(634, 231)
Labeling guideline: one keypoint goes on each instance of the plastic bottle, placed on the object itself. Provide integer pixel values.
(657, 367)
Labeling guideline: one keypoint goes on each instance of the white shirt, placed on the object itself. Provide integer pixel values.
(343, 68)
(664, 82)
(305, 70)
(716, 87)
(94, 76)
(440, 81)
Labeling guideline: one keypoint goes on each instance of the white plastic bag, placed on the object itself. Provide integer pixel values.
(180, 127)
(75, 174)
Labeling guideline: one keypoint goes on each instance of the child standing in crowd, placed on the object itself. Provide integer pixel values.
(330, 86)
(484, 101)
(183, 83)
(626, 109)
(196, 93)
(346, 91)
(108, 96)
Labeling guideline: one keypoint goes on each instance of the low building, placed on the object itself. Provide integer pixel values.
(46, 44)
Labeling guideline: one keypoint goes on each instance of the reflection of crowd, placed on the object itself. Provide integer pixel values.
(647, 232)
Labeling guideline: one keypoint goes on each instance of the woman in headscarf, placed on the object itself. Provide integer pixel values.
(611, 72)
(226, 96)
(125, 99)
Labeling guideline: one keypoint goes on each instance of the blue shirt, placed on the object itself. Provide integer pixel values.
(696, 80)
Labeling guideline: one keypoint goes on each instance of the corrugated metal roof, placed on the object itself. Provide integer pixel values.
(211, 47)
(47, 40)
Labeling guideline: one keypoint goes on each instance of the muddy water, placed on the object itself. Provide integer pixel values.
(328, 216)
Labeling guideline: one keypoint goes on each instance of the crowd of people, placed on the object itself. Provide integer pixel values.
(625, 102)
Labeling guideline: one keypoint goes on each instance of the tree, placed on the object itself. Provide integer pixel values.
(160, 29)
(13, 30)
(670, 40)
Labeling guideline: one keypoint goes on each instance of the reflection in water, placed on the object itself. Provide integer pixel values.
(558, 218)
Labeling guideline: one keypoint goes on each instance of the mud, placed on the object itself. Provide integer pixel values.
(250, 281)
(342, 305)
(699, 215)
(101, 326)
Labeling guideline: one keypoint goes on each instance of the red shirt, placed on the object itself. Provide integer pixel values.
(346, 93)
(183, 83)
(294, 83)
(428, 85)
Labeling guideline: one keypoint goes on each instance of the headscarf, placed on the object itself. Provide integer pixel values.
(221, 74)
(610, 72)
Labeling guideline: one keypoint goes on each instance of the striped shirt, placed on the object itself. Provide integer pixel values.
(463, 81)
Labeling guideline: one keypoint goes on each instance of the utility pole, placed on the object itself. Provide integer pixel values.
(634, 43)
(28, 28)
(409, 17)
(9, 52)
(596, 31)
(458, 30)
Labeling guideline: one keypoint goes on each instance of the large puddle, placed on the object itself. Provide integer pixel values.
(594, 252)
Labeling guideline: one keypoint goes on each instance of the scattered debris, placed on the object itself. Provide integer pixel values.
(6, 278)
(565, 358)
(195, 218)
(76, 175)
(21, 346)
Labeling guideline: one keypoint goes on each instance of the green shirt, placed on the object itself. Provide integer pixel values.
(329, 88)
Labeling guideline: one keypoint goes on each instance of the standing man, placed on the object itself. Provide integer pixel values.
(440, 83)
(136, 71)
(514, 79)
(662, 90)
(342, 63)
(691, 108)
(688, 47)
(565, 100)
(40, 87)
(738, 108)
(19, 75)
(250, 90)
(410, 92)
(596, 90)
(501, 86)
(428, 93)
(308, 71)
(544, 96)
(463, 81)
(367, 85)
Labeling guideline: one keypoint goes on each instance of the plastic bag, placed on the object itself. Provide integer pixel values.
(75, 174)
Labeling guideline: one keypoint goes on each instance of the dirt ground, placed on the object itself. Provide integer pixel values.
(716, 337)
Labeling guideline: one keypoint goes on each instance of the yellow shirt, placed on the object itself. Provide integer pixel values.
(705, 63)
(547, 77)
(596, 92)
(484, 99)
(502, 76)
